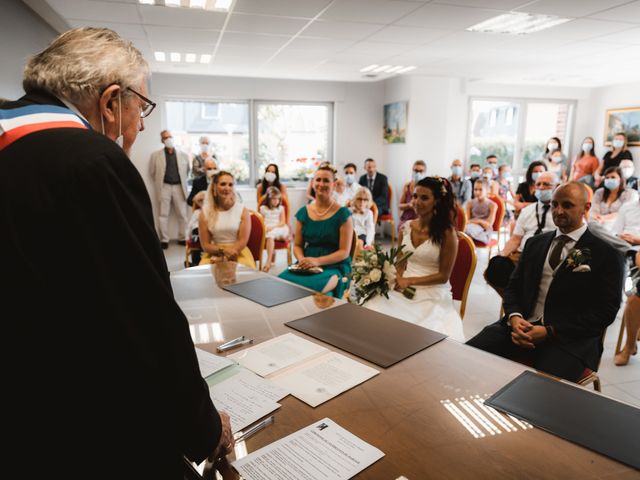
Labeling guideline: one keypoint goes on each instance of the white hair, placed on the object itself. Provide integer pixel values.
(81, 63)
(203, 138)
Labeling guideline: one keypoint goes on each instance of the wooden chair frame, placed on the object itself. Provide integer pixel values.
(463, 237)
(258, 260)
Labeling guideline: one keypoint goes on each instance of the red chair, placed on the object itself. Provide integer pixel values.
(461, 218)
(256, 237)
(463, 269)
(497, 223)
(282, 244)
(388, 217)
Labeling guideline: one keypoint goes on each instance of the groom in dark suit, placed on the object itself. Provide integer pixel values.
(562, 295)
(378, 185)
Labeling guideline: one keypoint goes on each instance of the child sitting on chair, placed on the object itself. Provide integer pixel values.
(191, 234)
(481, 212)
(274, 221)
(362, 216)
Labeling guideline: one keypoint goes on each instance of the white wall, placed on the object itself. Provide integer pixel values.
(357, 114)
(22, 33)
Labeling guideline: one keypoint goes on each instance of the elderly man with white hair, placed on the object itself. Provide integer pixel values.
(97, 349)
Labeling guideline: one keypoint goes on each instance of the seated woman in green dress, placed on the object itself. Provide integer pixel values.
(324, 232)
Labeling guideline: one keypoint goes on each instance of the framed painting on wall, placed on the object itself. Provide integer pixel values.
(395, 122)
(625, 120)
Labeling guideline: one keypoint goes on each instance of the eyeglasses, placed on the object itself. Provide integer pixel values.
(148, 107)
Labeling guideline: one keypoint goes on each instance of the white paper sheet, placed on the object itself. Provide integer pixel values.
(246, 398)
(321, 451)
(210, 363)
(276, 354)
(318, 380)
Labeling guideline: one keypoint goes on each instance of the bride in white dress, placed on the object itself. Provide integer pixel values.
(434, 243)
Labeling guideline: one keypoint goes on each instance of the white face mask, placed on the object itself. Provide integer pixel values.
(270, 177)
(587, 147)
(204, 148)
(168, 142)
(552, 146)
(119, 138)
(618, 143)
(210, 173)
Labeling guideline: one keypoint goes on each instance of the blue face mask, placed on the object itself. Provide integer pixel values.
(456, 170)
(417, 176)
(475, 174)
(535, 175)
(506, 175)
(544, 195)
(618, 143)
(494, 166)
(350, 178)
(611, 183)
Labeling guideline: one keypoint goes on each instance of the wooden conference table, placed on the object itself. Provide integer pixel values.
(401, 410)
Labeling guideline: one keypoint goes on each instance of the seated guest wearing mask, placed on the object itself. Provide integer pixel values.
(271, 178)
(201, 183)
(481, 213)
(557, 164)
(618, 153)
(475, 172)
(352, 185)
(492, 162)
(608, 199)
(419, 171)
(534, 219)
(460, 185)
(627, 168)
(487, 175)
(559, 301)
(525, 193)
(224, 224)
(377, 184)
(324, 232)
(197, 165)
(586, 165)
(341, 194)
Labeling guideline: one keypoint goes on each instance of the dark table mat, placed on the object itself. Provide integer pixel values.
(599, 423)
(268, 292)
(375, 337)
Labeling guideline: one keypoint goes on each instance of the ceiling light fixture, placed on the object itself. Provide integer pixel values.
(382, 68)
(160, 56)
(190, 58)
(205, 58)
(175, 56)
(395, 69)
(222, 4)
(369, 68)
(406, 69)
(518, 23)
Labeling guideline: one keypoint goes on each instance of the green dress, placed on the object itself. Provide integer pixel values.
(322, 237)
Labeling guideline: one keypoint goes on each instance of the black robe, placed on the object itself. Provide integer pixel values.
(100, 374)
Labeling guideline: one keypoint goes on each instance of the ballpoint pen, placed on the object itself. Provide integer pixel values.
(230, 343)
(241, 436)
(234, 344)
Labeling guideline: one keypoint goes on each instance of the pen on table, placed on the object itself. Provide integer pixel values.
(256, 428)
(231, 342)
(235, 344)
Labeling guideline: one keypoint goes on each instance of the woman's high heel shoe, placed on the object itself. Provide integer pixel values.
(623, 357)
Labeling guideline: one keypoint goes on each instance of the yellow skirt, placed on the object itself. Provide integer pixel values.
(245, 258)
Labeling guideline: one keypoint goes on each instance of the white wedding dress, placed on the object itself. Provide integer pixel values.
(432, 306)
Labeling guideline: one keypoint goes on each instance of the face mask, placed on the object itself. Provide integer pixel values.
(618, 143)
(552, 146)
(475, 174)
(544, 195)
(506, 176)
(587, 147)
(494, 166)
(457, 171)
(611, 183)
(204, 148)
(627, 172)
(487, 175)
(535, 175)
(119, 138)
(270, 177)
(556, 159)
(211, 173)
(168, 142)
(417, 176)
(350, 178)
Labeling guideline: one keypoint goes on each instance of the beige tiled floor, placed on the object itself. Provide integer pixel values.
(483, 307)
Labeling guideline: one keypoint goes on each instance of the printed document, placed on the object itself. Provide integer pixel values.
(210, 363)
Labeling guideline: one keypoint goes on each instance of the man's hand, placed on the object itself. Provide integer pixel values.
(226, 443)
(520, 332)
(538, 334)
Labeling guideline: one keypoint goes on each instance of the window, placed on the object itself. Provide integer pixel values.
(516, 131)
(296, 137)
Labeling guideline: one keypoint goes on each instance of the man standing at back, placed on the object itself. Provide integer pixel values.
(99, 371)
(169, 169)
(563, 294)
(378, 185)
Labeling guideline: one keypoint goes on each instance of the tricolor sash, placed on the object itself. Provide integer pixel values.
(19, 122)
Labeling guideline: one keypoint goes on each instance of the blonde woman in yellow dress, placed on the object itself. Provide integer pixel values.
(224, 224)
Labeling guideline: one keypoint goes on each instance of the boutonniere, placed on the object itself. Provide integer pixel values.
(578, 260)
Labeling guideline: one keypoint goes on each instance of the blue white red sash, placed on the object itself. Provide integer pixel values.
(19, 122)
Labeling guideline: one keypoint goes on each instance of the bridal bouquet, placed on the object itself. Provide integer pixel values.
(375, 273)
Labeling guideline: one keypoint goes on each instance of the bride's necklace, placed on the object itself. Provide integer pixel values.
(322, 214)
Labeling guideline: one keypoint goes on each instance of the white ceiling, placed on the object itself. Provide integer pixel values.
(333, 39)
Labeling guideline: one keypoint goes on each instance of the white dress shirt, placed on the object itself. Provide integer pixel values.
(628, 219)
(527, 222)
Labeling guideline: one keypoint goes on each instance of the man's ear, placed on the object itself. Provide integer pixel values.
(109, 103)
(587, 207)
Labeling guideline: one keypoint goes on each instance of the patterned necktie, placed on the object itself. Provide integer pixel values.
(556, 251)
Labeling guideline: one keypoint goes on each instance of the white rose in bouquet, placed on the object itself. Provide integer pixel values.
(389, 272)
(375, 275)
